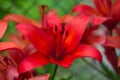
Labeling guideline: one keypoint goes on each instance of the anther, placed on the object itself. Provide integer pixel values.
(61, 32)
(63, 26)
(56, 28)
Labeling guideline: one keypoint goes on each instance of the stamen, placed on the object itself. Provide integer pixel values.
(6, 60)
(66, 34)
(63, 27)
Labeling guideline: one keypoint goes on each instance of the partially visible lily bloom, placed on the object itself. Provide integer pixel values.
(103, 8)
(8, 71)
(56, 43)
(9, 62)
(110, 10)
(5, 70)
(8, 68)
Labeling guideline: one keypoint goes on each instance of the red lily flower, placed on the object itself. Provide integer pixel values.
(11, 61)
(8, 63)
(8, 70)
(104, 8)
(56, 43)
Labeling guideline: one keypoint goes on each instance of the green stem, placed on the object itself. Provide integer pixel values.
(101, 72)
(54, 72)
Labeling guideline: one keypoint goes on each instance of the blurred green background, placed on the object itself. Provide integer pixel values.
(29, 8)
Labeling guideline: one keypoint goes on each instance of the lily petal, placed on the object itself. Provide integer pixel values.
(38, 37)
(113, 41)
(18, 39)
(66, 18)
(119, 62)
(14, 50)
(94, 35)
(75, 30)
(3, 27)
(87, 51)
(111, 56)
(32, 61)
(9, 45)
(115, 10)
(86, 9)
(52, 20)
(96, 20)
(21, 19)
(103, 6)
(116, 30)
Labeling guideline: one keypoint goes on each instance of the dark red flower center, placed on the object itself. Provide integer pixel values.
(58, 51)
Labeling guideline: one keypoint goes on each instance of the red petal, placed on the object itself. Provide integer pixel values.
(29, 49)
(75, 30)
(9, 45)
(53, 25)
(94, 35)
(113, 41)
(41, 77)
(111, 56)
(38, 37)
(115, 10)
(11, 73)
(116, 30)
(103, 6)
(86, 9)
(66, 62)
(21, 19)
(87, 51)
(18, 39)
(119, 62)
(66, 18)
(52, 20)
(96, 20)
(3, 27)
(16, 54)
(32, 61)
